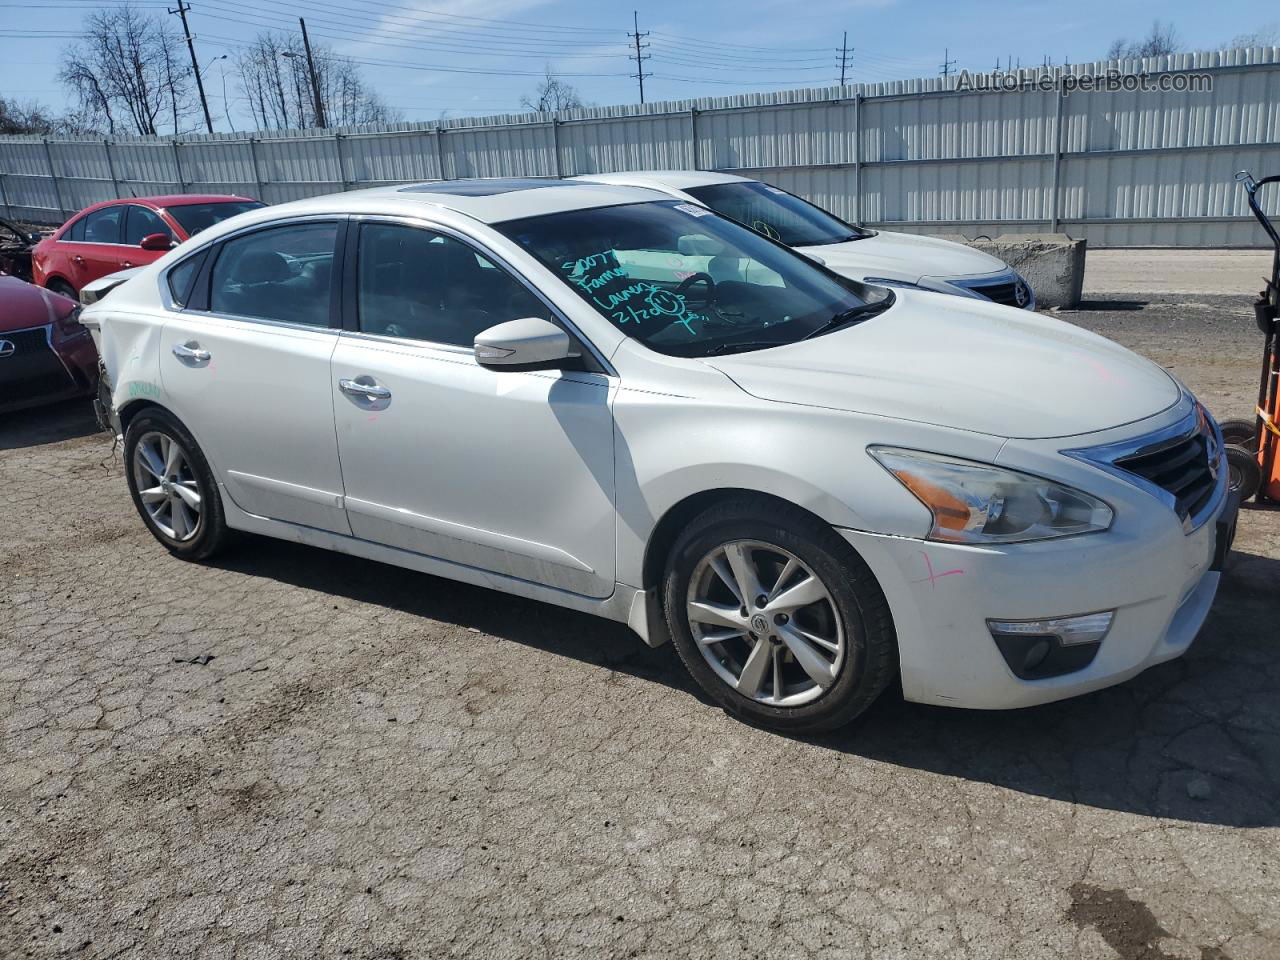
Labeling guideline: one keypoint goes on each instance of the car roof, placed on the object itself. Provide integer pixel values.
(676, 179)
(164, 201)
(490, 200)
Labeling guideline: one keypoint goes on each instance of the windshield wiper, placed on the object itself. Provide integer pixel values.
(853, 314)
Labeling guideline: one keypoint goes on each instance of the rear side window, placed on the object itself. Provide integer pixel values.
(77, 231)
(282, 273)
(141, 222)
(183, 276)
(103, 226)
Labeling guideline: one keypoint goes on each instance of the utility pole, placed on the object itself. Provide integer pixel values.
(639, 74)
(315, 80)
(947, 63)
(844, 57)
(183, 7)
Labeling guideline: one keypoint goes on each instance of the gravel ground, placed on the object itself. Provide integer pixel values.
(296, 753)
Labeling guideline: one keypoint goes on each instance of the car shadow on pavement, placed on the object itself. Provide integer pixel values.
(555, 630)
(1194, 739)
(38, 426)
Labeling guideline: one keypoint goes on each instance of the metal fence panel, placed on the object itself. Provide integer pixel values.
(1124, 167)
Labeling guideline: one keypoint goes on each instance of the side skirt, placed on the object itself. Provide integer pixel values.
(624, 605)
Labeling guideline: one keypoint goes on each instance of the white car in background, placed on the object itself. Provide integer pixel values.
(810, 484)
(872, 256)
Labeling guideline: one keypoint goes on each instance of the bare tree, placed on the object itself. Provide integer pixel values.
(1268, 35)
(552, 94)
(124, 70)
(31, 117)
(1163, 39)
(276, 82)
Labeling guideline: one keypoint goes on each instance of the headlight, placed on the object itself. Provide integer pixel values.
(882, 282)
(980, 503)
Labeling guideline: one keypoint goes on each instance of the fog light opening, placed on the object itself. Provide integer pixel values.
(1051, 647)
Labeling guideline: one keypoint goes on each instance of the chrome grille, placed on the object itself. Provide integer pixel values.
(1182, 467)
(1006, 293)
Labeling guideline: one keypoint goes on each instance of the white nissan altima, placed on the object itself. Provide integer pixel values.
(621, 403)
(872, 256)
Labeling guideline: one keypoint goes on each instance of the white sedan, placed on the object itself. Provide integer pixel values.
(626, 404)
(873, 256)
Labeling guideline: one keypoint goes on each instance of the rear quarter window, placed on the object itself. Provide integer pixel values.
(182, 278)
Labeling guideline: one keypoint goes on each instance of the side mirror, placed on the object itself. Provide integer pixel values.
(528, 344)
(156, 241)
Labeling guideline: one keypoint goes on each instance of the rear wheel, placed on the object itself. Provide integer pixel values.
(777, 619)
(62, 287)
(173, 487)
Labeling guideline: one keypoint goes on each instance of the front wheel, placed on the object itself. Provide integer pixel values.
(778, 619)
(173, 487)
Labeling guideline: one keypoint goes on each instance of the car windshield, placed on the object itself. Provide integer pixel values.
(195, 217)
(686, 282)
(777, 214)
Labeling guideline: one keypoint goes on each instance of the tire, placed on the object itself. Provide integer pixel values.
(1243, 472)
(858, 655)
(189, 529)
(64, 288)
(1241, 433)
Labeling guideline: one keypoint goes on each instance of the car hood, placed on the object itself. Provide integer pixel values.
(902, 256)
(964, 364)
(23, 305)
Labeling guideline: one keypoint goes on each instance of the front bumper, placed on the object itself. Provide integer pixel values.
(1159, 580)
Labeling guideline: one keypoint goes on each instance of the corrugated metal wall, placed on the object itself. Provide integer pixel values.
(1122, 168)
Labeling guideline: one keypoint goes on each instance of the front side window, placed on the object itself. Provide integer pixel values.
(141, 222)
(423, 285)
(103, 226)
(687, 282)
(195, 217)
(776, 213)
(281, 273)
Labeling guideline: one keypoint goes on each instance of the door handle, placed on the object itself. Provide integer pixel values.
(191, 351)
(125, 263)
(366, 391)
(77, 259)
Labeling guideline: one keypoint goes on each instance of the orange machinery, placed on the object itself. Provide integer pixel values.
(1253, 447)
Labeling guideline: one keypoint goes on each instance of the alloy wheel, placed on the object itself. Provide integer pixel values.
(167, 486)
(765, 623)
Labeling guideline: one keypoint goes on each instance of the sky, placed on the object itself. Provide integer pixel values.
(431, 59)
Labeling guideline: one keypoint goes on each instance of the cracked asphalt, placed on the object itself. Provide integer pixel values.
(292, 753)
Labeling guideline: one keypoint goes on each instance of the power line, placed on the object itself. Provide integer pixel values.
(639, 74)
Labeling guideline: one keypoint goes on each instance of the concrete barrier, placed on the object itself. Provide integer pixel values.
(1052, 263)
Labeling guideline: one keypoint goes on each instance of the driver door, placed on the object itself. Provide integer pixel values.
(510, 472)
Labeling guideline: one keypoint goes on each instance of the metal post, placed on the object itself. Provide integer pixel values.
(342, 167)
(4, 198)
(257, 173)
(857, 159)
(440, 151)
(555, 146)
(694, 152)
(177, 165)
(315, 80)
(111, 169)
(53, 175)
(1054, 209)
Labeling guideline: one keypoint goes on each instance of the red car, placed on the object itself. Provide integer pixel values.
(45, 354)
(119, 234)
